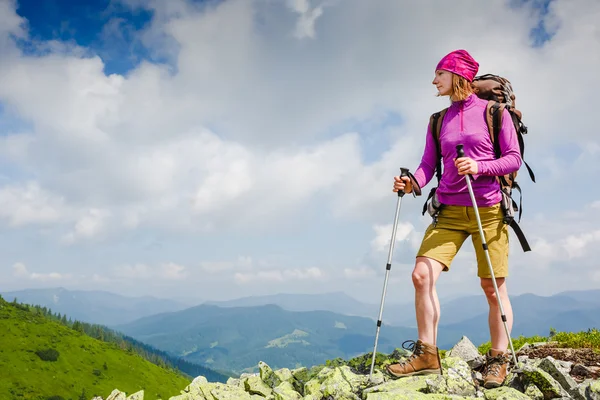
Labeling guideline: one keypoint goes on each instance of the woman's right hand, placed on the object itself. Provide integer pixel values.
(402, 183)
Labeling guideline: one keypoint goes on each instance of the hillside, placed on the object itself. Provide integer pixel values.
(236, 338)
(82, 364)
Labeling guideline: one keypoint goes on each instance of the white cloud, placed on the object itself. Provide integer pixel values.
(305, 26)
(20, 271)
(381, 242)
(359, 273)
(88, 226)
(215, 267)
(140, 271)
(28, 203)
(286, 275)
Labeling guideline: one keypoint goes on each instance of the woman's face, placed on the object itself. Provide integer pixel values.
(443, 82)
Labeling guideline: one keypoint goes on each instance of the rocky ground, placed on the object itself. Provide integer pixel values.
(586, 362)
(545, 372)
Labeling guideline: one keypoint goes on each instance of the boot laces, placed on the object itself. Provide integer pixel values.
(416, 349)
(494, 364)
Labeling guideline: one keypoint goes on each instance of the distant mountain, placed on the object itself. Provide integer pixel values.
(337, 302)
(237, 338)
(97, 307)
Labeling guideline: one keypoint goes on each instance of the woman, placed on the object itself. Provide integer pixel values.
(464, 123)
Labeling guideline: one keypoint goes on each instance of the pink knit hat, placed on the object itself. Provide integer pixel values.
(460, 63)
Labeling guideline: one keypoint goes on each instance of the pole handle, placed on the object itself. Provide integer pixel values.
(460, 152)
(403, 172)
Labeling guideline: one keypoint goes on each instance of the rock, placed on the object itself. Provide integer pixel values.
(254, 385)
(117, 395)
(467, 351)
(285, 391)
(313, 388)
(555, 370)
(547, 385)
(458, 377)
(591, 389)
(335, 385)
(284, 375)
(398, 394)
(581, 370)
(268, 376)
(533, 392)
(504, 393)
(137, 396)
(220, 391)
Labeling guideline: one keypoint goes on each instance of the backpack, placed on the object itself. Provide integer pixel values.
(499, 93)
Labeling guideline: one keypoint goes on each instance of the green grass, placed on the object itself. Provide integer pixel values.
(81, 363)
(589, 339)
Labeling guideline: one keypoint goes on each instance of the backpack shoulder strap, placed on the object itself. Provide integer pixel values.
(435, 125)
(435, 122)
(493, 117)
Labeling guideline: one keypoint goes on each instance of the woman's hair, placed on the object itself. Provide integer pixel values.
(461, 88)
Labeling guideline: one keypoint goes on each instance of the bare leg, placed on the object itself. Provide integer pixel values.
(497, 333)
(427, 305)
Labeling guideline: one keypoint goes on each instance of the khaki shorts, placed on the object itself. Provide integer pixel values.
(455, 224)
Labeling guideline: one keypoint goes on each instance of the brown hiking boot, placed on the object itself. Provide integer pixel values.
(496, 368)
(424, 360)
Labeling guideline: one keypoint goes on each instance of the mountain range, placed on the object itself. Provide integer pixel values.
(299, 329)
(98, 307)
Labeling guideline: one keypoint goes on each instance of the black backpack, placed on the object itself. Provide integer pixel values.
(499, 93)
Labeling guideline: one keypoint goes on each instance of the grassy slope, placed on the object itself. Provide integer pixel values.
(26, 376)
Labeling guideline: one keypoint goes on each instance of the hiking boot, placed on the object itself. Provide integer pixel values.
(496, 368)
(424, 360)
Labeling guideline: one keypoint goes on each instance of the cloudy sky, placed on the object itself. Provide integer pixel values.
(219, 149)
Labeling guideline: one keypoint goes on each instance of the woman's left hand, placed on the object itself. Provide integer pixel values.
(466, 165)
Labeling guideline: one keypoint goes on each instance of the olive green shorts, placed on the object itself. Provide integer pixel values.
(455, 224)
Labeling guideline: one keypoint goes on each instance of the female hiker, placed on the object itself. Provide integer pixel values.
(464, 123)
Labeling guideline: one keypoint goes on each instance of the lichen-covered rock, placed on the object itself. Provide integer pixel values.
(117, 395)
(301, 376)
(466, 350)
(284, 375)
(565, 380)
(504, 393)
(254, 385)
(533, 392)
(396, 394)
(267, 375)
(285, 391)
(591, 389)
(137, 396)
(194, 385)
(458, 377)
(335, 384)
(221, 391)
(359, 382)
(436, 384)
(313, 388)
(547, 385)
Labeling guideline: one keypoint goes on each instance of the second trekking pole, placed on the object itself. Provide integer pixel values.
(404, 172)
(461, 153)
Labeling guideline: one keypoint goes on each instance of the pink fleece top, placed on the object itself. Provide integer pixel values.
(464, 123)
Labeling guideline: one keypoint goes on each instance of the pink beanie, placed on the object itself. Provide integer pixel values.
(460, 63)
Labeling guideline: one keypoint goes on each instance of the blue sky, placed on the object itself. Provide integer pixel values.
(241, 147)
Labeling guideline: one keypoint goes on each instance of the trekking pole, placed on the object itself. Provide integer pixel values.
(388, 267)
(461, 153)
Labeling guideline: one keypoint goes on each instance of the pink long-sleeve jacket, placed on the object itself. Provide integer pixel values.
(464, 123)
